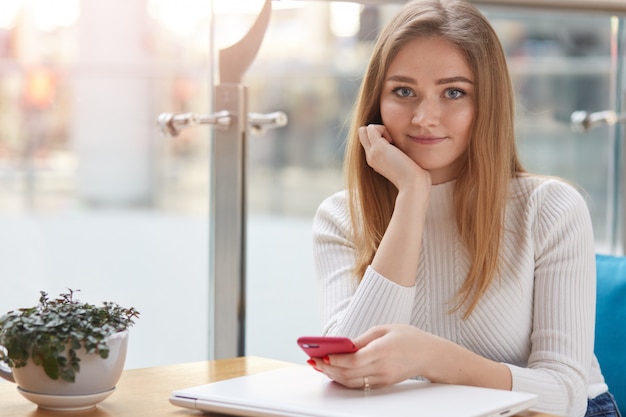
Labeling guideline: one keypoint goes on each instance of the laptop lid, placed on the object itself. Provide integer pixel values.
(300, 391)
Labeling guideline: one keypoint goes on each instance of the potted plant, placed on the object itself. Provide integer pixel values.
(65, 354)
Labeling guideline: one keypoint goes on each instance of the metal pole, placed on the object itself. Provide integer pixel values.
(227, 281)
(228, 197)
(620, 146)
(227, 206)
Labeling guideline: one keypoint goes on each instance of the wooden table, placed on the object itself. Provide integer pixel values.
(146, 392)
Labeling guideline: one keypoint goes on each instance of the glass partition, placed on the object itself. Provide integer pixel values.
(561, 63)
(311, 65)
(92, 196)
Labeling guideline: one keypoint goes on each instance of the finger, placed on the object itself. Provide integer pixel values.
(360, 381)
(364, 137)
(314, 364)
(369, 336)
(349, 377)
(376, 131)
(346, 370)
(385, 134)
(366, 383)
(343, 360)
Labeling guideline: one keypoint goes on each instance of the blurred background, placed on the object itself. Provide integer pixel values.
(94, 197)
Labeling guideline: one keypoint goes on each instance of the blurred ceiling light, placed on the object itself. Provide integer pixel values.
(253, 6)
(237, 7)
(345, 19)
(182, 16)
(8, 13)
(287, 4)
(233, 19)
(50, 15)
(179, 16)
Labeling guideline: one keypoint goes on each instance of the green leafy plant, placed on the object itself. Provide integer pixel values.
(51, 333)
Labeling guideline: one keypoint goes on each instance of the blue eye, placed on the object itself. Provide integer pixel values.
(454, 93)
(403, 92)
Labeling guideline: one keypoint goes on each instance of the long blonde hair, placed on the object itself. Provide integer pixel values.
(480, 193)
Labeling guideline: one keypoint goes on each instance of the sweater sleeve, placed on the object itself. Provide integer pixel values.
(349, 308)
(564, 302)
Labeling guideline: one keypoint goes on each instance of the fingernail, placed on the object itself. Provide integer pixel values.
(313, 364)
(326, 360)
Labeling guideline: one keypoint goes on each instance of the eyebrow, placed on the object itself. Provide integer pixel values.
(402, 78)
(457, 79)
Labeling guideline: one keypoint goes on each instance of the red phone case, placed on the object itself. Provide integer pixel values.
(320, 346)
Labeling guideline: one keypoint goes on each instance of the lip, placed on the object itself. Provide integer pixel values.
(427, 139)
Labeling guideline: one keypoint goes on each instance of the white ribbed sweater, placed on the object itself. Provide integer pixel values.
(537, 317)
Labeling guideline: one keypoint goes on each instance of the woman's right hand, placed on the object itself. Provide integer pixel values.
(397, 255)
(390, 353)
(388, 160)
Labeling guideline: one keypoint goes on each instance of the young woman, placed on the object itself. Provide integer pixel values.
(444, 259)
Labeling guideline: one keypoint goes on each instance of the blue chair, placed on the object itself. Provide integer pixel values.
(610, 347)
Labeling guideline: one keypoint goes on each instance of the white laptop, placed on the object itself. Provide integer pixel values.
(300, 391)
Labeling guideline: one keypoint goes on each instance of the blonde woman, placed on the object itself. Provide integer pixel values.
(443, 258)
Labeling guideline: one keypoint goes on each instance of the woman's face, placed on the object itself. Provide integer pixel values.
(428, 105)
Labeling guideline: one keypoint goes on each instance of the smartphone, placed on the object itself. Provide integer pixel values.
(320, 346)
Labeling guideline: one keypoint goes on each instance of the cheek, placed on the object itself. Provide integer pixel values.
(391, 112)
(462, 120)
(385, 110)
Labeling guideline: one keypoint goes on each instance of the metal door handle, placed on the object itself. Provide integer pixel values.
(582, 121)
(172, 124)
(259, 122)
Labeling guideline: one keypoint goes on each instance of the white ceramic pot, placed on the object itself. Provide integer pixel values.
(94, 382)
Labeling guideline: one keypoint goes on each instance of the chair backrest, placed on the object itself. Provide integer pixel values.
(610, 347)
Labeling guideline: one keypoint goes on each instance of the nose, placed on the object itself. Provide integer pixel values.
(426, 113)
